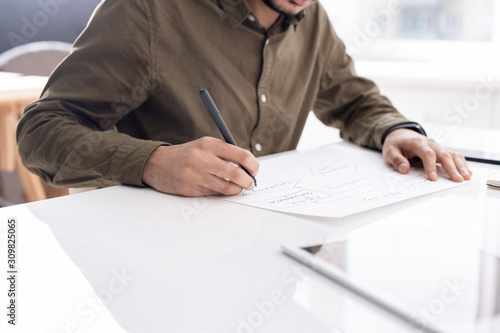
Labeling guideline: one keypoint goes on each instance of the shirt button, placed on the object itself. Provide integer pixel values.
(258, 147)
(251, 18)
(267, 41)
(263, 98)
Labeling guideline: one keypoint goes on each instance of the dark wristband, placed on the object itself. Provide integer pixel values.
(411, 126)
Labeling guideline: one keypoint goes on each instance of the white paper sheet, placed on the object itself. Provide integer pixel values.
(336, 181)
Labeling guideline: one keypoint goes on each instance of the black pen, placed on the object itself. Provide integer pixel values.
(215, 114)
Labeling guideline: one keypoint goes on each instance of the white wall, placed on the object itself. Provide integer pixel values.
(439, 93)
(450, 97)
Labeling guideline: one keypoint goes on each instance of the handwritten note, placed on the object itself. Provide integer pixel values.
(272, 186)
(336, 181)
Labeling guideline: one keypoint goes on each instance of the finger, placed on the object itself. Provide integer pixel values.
(189, 189)
(397, 160)
(231, 172)
(199, 191)
(222, 186)
(239, 156)
(429, 160)
(462, 166)
(203, 192)
(447, 162)
(214, 157)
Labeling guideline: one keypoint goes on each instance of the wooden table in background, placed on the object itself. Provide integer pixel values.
(15, 92)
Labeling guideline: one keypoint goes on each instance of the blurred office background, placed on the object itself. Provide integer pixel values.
(26, 21)
(31, 32)
(437, 60)
(428, 55)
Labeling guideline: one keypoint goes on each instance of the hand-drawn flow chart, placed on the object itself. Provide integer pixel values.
(336, 181)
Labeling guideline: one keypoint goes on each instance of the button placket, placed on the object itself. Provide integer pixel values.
(261, 135)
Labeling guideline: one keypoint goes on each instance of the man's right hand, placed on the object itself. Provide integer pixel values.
(200, 168)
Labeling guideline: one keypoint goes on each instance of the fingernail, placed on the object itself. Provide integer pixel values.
(433, 175)
(401, 167)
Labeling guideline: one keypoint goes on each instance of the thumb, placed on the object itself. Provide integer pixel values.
(398, 161)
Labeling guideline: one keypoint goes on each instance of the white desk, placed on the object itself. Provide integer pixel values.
(206, 265)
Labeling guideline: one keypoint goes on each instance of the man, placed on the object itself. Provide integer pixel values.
(123, 108)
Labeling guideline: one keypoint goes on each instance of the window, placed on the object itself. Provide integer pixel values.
(417, 29)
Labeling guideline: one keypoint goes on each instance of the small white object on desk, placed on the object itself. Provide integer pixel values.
(494, 184)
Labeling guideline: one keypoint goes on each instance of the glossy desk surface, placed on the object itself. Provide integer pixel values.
(162, 263)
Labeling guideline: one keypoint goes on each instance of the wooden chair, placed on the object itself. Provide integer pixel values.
(39, 58)
(9, 158)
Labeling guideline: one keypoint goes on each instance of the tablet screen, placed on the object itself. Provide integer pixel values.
(441, 285)
(479, 156)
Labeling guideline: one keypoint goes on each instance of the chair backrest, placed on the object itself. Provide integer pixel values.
(37, 58)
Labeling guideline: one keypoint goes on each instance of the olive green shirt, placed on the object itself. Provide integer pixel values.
(132, 81)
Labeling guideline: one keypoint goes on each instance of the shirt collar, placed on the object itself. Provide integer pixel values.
(237, 12)
(294, 20)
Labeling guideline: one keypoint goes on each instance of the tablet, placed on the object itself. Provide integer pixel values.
(432, 282)
(479, 155)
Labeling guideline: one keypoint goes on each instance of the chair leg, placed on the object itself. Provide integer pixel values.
(8, 152)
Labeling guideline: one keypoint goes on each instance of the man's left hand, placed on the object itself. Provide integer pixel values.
(403, 144)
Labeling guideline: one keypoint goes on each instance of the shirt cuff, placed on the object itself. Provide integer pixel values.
(411, 126)
(129, 161)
